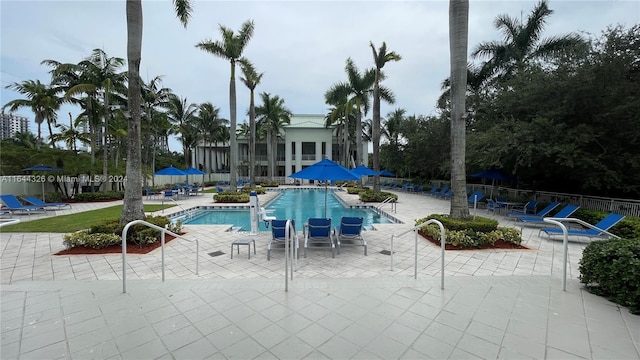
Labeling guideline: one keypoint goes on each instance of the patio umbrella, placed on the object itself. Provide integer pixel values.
(42, 168)
(170, 171)
(363, 171)
(386, 172)
(194, 171)
(325, 170)
(492, 175)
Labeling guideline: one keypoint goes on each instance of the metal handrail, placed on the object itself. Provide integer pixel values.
(163, 232)
(565, 240)
(390, 200)
(442, 248)
(289, 237)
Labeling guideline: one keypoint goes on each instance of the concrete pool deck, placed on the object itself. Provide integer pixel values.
(496, 303)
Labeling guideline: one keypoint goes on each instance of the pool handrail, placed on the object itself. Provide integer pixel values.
(163, 232)
(390, 200)
(442, 248)
(288, 236)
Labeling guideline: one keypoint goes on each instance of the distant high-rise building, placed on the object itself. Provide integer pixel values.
(11, 123)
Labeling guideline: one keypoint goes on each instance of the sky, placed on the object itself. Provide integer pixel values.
(300, 46)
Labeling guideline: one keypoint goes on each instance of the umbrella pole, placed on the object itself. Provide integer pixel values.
(325, 199)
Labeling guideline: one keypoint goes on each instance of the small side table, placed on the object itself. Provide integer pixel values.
(247, 242)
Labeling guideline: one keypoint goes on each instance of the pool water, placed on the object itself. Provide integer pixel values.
(298, 204)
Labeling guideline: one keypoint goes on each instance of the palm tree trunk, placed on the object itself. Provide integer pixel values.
(105, 145)
(133, 209)
(252, 140)
(358, 137)
(346, 141)
(375, 133)
(53, 143)
(458, 37)
(233, 146)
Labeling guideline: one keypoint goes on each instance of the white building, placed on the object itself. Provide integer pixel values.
(11, 123)
(303, 142)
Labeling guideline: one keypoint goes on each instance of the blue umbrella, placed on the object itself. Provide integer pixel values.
(42, 167)
(170, 171)
(194, 171)
(386, 172)
(325, 170)
(493, 175)
(363, 171)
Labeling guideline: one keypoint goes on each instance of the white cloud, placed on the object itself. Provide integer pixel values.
(301, 46)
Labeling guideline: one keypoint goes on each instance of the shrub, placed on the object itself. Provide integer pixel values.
(95, 241)
(611, 268)
(469, 233)
(258, 190)
(228, 197)
(371, 196)
(356, 190)
(94, 196)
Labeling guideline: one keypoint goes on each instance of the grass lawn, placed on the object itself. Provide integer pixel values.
(75, 222)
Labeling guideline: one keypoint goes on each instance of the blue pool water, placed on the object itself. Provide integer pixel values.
(298, 204)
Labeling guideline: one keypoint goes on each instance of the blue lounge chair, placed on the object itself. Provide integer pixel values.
(318, 231)
(603, 226)
(433, 190)
(475, 196)
(542, 213)
(494, 206)
(350, 233)
(278, 236)
(13, 204)
(565, 212)
(37, 202)
(441, 192)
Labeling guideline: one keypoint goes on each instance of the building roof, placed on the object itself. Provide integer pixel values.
(306, 121)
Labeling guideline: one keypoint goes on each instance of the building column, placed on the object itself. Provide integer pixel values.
(319, 151)
(329, 149)
(287, 158)
(298, 155)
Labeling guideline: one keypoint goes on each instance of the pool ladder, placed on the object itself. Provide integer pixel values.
(390, 200)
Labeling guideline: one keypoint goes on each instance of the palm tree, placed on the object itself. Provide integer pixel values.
(180, 114)
(380, 58)
(358, 90)
(231, 48)
(208, 121)
(458, 38)
(154, 96)
(132, 209)
(341, 115)
(522, 42)
(272, 115)
(41, 98)
(251, 79)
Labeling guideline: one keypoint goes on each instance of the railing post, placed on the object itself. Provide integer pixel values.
(162, 252)
(565, 247)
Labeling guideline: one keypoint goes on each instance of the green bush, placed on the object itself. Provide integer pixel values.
(258, 190)
(228, 197)
(371, 196)
(611, 268)
(95, 241)
(268, 184)
(94, 196)
(476, 232)
(356, 190)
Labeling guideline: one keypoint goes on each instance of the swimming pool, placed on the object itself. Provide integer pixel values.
(297, 204)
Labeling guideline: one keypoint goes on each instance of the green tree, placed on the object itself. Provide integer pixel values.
(251, 79)
(272, 116)
(380, 58)
(181, 114)
(458, 38)
(132, 209)
(231, 48)
(41, 98)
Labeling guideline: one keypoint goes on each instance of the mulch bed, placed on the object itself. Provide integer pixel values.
(499, 244)
(132, 248)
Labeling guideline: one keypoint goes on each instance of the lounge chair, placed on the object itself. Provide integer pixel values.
(442, 192)
(529, 207)
(475, 196)
(542, 213)
(278, 237)
(433, 190)
(318, 231)
(37, 202)
(13, 204)
(350, 233)
(603, 226)
(565, 212)
(494, 206)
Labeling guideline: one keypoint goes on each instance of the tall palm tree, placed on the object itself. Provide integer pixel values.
(358, 89)
(272, 115)
(132, 209)
(181, 113)
(209, 121)
(153, 97)
(342, 116)
(380, 58)
(41, 98)
(522, 42)
(251, 79)
(231, 48)
(458, 39)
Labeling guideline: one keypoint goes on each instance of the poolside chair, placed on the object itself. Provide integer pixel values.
(433, 190)
(565, 212)
(539, 214)
(475, 196)
(529, 207)
(37, 202)
(350, 233)
(278, 237)
(318, 231)
(493, 206)
(603, 226)
(13, 204)
(441, 192)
